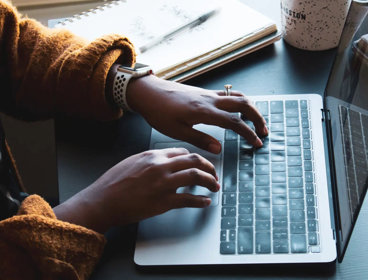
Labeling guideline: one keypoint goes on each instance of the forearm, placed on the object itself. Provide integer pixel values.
(48, 72)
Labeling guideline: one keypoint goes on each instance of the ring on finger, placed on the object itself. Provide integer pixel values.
(228, 89)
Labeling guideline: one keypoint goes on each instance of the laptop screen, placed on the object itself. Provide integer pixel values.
(346, 99)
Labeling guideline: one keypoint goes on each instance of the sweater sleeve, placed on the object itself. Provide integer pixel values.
(38, 246)
(46, 72)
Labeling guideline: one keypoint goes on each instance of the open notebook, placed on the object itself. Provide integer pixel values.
(233, 31)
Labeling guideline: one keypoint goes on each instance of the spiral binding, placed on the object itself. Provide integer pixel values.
(109, 4)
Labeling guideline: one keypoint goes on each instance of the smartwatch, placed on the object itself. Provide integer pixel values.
(123, 76)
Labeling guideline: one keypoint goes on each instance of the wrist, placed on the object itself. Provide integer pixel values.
(119, 79)
(81, 210)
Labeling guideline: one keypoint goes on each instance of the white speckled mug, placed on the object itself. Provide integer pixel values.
(313, 24)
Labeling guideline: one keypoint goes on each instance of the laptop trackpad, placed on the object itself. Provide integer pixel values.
(214, 159)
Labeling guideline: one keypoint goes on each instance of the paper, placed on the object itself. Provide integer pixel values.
(233, 22)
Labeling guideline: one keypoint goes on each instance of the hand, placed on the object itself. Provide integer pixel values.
(139, 187)
(173, 109)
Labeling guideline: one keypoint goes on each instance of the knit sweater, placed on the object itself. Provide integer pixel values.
(43, 73)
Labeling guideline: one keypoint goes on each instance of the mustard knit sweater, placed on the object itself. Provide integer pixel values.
(44, 73)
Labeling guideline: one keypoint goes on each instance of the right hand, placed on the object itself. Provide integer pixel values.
(141, 186)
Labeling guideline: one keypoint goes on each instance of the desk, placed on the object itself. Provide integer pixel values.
(86, 150)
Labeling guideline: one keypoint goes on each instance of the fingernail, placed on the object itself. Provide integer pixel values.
(265, 131)
(217, 187)
(258, 143)
(207, 201)
(214, 148)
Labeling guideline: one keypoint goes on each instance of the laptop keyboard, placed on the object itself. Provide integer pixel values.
(268, 195)
(354, 130)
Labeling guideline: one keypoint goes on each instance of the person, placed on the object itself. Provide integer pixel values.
(52, 73)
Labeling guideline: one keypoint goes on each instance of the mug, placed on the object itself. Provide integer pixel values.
(313, 24)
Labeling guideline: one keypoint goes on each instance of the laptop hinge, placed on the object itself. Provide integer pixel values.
(330, 166)
(325, 115)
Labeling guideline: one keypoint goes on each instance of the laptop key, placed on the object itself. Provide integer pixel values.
(228, 223)
(298, 243)
(296, 204)
(295, 182)
(276, 107)
(245, 240)
(262, 159)
(229, 199)
(312, 238)
(281, 246)
(223, 235)
(311, 212)
(277, 118)
(294, 160)
(230, 165)
(278, 177)
(312, 225)
(291, 112)
(279, 210)
(296, 193)
(292, 131)
(262, 180)
(262, 169)
(293, 151)
(245, 220)
(297, 216)
(263, 225)
(246, 186)
(262, 191)
(262, 106)
(291, 103)
(297, 228)
(292, 122)
(295, 171)
(227, 248)
(293, 141)
(278, 156)
(263, 242)
(280, 222)
(245, 175)
(232, 234)
(228, 211)
(278, 167)
(279, 188)
(245, 208)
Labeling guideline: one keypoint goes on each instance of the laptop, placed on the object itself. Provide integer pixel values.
(296, 199)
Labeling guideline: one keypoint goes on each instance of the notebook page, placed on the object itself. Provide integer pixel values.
(233, 21)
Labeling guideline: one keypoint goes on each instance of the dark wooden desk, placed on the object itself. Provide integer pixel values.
(86, 150)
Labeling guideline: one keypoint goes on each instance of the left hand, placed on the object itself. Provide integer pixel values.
(173, 109)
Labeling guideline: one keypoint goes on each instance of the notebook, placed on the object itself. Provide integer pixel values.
(234, 30)
(296, 199)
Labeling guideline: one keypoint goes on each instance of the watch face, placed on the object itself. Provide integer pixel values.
(138, 70)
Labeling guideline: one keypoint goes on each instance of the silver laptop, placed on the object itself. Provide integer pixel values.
(296, 199)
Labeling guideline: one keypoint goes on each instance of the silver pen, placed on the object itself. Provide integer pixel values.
(191, 24)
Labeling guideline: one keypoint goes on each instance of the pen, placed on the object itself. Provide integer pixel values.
(191, 24)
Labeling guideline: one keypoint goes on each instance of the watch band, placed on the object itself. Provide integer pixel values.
(120, 85)
(121, 81)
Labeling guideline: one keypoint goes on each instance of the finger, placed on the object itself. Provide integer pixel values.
(174, 152)
(232, 121)
(243, 105)
(192, 160)
(189, 200)
(199, 139)
(193, 177)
